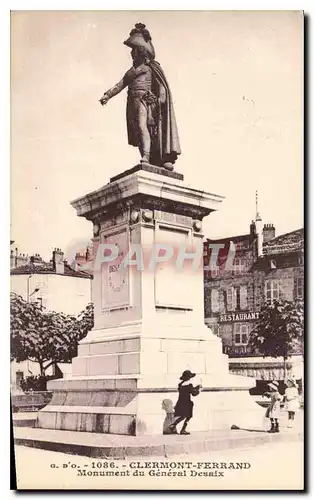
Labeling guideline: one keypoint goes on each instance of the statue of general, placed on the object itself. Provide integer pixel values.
(151, 121)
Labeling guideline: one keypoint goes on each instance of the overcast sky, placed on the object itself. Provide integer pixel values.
(237, 83)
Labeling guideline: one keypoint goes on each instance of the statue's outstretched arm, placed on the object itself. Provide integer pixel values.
(124, 82)
(116, 89)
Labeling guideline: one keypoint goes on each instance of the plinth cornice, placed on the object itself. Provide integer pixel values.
(145, 186)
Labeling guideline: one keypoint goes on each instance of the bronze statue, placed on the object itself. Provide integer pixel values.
(151, 121)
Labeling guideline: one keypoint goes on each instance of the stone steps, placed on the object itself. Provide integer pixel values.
(123, 447)
(25, 419)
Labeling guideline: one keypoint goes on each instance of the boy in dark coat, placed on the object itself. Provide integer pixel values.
(183, 410)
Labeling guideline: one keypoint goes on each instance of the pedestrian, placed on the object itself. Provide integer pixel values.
(183, 409)
(291, 399)
(273, 411)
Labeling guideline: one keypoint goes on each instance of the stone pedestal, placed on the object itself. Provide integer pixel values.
(149, 318)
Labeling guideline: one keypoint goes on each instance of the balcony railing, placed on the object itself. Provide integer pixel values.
(242, 351)
(237, 351)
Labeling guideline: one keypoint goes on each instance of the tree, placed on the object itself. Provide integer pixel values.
(46, 337)
(279, 330)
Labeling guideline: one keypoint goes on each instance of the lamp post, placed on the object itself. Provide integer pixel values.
(29, 277)
(34, 291)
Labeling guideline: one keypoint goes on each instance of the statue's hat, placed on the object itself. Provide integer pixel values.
(140, 38)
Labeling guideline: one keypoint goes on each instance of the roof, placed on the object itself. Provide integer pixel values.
(230, 238)
(288, 242)
(291, 241)
(47, 268)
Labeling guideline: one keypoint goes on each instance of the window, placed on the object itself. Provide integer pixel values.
(231, 298)
(243, 297)
(215, 300)
(271, 290)
(239, 265)
(222, 303)
(241, 334)
(236, 298)
(215, 272)
(299, 287)
(242, 244)
(301, 260)
(226, 334)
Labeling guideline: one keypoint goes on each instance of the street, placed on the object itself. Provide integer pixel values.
(275, 466)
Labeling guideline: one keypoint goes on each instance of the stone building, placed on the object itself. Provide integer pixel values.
(17, 259)
(265, 267)
(56, 285)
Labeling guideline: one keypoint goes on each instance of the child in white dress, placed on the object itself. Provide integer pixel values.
(291, 398)
(273, 411)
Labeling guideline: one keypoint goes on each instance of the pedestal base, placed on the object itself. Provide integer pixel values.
(123, 406)
(129, 386)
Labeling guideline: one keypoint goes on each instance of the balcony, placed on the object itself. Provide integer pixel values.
(237, 351)
(242, 351)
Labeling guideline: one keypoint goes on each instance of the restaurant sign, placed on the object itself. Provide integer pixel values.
(241, 316)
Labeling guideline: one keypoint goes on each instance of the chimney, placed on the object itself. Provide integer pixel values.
(252, 228)
(12, 259)
(58, 261)
(83, 260)
(269, 232)
(20, 259)
(37, 260)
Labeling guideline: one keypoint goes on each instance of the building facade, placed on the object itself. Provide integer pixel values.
(56, 286)
(265, 268)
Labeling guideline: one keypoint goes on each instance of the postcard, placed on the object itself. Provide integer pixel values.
(157, 250)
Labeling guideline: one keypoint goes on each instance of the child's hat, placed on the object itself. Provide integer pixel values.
(274, 385)
(187, 374)
(292, 381)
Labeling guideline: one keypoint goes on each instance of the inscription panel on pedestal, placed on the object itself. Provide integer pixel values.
(115, 289)
(171, 279)
(177, 219)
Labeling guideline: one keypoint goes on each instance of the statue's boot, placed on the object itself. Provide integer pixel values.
(168, 165)
(145, 158)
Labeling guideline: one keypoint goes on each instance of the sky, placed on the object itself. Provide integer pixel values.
(237, 84)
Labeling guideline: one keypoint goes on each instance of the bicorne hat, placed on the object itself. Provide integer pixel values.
(140, 38)
(187, 374)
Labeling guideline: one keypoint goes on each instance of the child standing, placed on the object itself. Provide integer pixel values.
(273, 411)
(291, 399)
(183, 410)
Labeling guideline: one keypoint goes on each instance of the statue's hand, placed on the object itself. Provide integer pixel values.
(104, 99)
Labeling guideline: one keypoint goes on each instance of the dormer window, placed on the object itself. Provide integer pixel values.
(239, 266)
(272, 264)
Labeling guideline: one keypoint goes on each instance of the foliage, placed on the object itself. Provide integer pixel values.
(34, 383)
(46, 337)
(279, 330)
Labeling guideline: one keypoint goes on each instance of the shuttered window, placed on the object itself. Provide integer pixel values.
(215, 300)
(243, 297)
